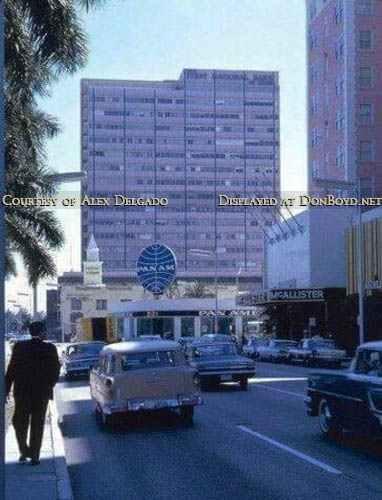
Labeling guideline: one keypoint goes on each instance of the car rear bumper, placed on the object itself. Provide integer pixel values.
(153, 404)
(234, 374)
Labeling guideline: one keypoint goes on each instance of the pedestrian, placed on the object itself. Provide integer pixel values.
(33, 370)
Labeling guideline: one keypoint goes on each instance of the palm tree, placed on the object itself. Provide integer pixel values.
(198, 290)
(43, 40)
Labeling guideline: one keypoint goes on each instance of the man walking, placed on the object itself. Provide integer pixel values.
(33, 370)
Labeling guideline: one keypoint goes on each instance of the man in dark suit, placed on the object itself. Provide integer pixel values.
(33, 370)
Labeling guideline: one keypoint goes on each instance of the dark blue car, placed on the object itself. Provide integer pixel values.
(349, 400)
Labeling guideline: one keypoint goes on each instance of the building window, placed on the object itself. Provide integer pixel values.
(365, 77)
(365, 114)
(76, 304)
(340, 156)
(314, 137)
(313, 72)
(313, 41)
(101, 305)
(313, 105)
(365, 7)
(340, 120)
(366, 151)
(365, 39)
(315, 170)
(339, 47)
(340, 84)
(338, 12)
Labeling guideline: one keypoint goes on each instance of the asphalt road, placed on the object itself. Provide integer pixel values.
(248, 445)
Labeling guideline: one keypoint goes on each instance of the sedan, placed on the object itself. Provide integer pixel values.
(217, 363)
(276, 350)
(80, 357)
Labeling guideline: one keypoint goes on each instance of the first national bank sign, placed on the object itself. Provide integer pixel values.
(281, 296)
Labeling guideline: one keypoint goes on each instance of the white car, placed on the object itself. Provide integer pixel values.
(275, 350)
(250, 349)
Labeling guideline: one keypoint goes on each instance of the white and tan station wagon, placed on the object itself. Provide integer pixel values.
(139, 376)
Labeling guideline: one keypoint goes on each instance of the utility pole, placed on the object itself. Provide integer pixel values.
(360, 270)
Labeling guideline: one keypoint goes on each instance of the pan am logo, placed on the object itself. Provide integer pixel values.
(156, 268)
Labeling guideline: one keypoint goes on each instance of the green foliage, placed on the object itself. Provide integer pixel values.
(198, 290)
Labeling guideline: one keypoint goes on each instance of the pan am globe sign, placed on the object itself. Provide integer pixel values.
(156, 268)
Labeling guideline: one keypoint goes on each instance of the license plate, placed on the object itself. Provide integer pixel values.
(225, 378)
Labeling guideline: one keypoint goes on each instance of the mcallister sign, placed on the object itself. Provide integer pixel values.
(282, 295)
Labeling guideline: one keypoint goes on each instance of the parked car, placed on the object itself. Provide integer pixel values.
(250, 349)
(350, 399)
(216, 337)
(80, 357)
(275, 350)
(149, 337)
(144, 376)
(317, 351)
(220, 362)
(186, 341)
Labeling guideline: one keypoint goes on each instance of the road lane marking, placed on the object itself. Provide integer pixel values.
(286, 448)
(281, 390)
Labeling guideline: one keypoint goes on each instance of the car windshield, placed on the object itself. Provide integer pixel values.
(85, 350)
(321, 344)
(369, 363)
(216, 350)
(151, 359)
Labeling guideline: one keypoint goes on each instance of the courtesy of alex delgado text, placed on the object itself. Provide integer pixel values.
(222, 200)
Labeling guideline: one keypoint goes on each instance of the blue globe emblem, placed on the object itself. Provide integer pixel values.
(156, 268)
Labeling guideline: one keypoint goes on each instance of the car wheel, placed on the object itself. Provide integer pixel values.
(68, 377)
(243, 384)
(325, 419)
(187, 414)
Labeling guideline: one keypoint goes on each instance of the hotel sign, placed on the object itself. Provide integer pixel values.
(283, 295)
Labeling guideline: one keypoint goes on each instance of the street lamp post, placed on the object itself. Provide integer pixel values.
(208, 253)
(237, 280)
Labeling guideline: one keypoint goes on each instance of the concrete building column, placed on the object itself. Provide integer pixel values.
(177, 327)
(128, 328)
(197, 325)
(239, 326)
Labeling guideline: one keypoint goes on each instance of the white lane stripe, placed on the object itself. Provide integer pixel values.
(281, 390)
(286, 448)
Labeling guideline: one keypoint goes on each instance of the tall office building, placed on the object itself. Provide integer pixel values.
(344, 43)
(210, 132)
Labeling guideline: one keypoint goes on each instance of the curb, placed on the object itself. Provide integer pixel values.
(64, 487)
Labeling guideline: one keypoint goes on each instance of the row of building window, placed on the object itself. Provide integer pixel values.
(149, 154)
(180, 130)
(180, 141)
(181, 114)
(366, 150)
(76, 304)
(190, 100)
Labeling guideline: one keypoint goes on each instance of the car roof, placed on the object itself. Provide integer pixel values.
(141, 346)
(86, 343)
(372, 345)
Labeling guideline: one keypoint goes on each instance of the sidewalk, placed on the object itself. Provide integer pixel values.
(47, 481)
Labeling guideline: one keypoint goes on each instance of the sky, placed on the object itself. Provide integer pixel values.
(155, 40)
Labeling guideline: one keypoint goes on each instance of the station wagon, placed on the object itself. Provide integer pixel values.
(144, 376)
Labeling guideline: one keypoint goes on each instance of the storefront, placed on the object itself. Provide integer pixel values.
(174, 318)
(297, 312)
